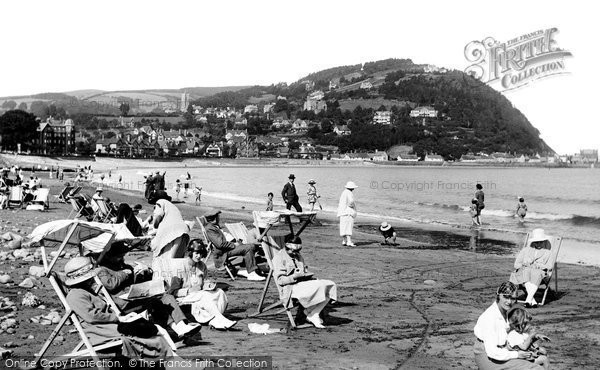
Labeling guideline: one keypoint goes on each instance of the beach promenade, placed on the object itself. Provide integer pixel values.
(409, 306)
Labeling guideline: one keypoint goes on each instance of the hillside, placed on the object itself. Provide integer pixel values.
(469, 115)
(107, 102)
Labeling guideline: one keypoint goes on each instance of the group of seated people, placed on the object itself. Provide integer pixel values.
(186, 282)
(504, 336)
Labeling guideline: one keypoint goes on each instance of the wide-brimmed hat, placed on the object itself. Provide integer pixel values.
(212, 216)
(312, 181)
(385, 226)
(137, 207)
(99, 188)
(79, 269)
(291, 176)
(351, 185)
(538, 235)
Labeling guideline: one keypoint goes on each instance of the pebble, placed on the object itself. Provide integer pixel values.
(21, 253)
(429, 282)
(37, 271)
(30, 337)
(28, 283)
(5, 279)
(59, 338)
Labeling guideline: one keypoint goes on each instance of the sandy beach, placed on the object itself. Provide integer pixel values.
(409, 306)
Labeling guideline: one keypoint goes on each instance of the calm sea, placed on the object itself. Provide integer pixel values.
(563, 201)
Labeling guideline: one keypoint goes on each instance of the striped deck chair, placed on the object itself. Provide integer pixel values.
(16, 196)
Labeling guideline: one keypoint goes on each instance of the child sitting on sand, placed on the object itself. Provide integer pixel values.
(388, 232)
(521, 209)
(522, 337)
(474, 212)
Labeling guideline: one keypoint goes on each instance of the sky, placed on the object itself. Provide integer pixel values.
(60, 46)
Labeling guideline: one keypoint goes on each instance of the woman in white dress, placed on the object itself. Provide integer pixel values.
(208, 302)
(294, 282)
(347, 213)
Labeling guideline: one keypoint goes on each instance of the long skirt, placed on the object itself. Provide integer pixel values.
(133, 347)
(206, 304)
(528, 274)
(312, 292)
(485, 363)
(346, 225)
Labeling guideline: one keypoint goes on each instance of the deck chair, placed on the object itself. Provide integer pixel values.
(41, 197)
(555, 243)
(62, 196)
(270, 246)
(16, 196)
(79, 208)
(104, 212)
(236, 260)
(239, 231)
(74, 233)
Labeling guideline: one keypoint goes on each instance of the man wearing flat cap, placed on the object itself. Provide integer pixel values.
(290, 197)
(225, 249)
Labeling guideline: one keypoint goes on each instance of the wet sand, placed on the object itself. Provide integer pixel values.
(387, 315)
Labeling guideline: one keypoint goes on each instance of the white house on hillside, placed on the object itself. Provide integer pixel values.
(424, 111)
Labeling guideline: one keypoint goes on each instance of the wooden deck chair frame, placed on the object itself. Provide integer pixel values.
(41, 197)
(555, 243)
(239, 231)
(16, 196)
(103, 212)
(75, 208)
(64, 193)
(211, 247)
(268, 243)
(89, 350)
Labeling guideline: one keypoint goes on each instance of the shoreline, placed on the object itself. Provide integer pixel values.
(105, 163)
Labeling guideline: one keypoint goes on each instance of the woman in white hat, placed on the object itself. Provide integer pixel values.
(295, 282)
(99, 322)
(347, 212)
(532, 264)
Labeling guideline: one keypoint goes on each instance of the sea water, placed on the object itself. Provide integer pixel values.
(563, 201)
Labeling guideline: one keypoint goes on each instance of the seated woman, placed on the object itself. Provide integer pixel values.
(98, 321)
(532, 264)
(294, 282)
(208, 302)
(491, 334)
(171, 236)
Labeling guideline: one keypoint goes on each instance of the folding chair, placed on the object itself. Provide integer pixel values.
(555, 243)
(239, 231)
(74, 233)
(270, 246)
(64, 193)
(41, 197)
(16, 196)
(231, 260)
(103, 212)
(80, 208)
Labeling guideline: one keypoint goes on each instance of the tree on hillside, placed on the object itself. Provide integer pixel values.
(9, 105)
(124, 108)
(17, 127)
(39, 109)
(22, 106)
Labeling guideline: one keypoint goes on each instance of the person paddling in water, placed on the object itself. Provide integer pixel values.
(521, 209)
(480, 199)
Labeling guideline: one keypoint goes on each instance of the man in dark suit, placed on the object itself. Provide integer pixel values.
(290, 197)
